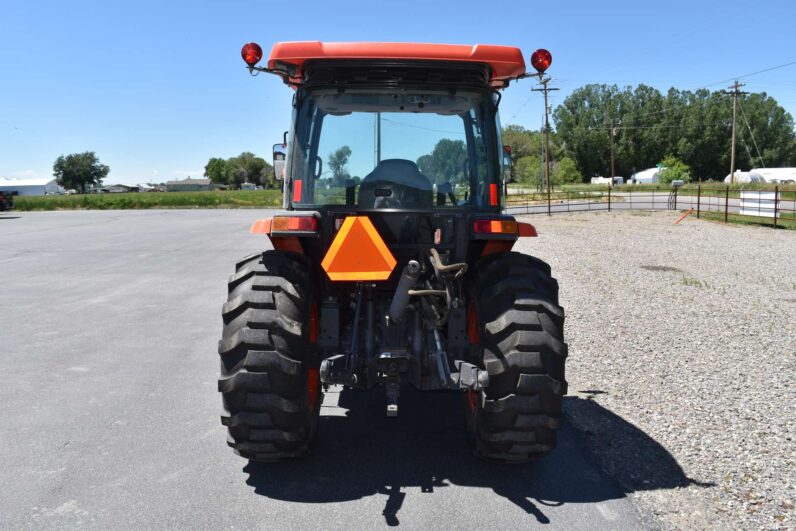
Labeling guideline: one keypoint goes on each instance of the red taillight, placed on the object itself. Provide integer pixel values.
(494, 226)
(313, 388)
(473, 335)
(294, 224)
(541, 60)
(493, 194)
(251, 53)
(297, 191)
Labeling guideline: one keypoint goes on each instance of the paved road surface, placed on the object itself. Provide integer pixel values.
(109, 410)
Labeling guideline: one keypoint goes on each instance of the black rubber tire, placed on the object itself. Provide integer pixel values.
(521, 330)
(265, 358)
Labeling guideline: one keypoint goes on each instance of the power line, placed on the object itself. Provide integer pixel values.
(750, 74)
(665, 110)
(421, 127)
(743, 114)
(521, 108)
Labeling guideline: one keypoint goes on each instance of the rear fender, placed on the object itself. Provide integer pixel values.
(502, 242)
(287, 239)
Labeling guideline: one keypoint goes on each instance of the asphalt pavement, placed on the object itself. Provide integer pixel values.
(109, 412)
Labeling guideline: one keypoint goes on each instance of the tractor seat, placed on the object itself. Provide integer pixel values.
(395, 183)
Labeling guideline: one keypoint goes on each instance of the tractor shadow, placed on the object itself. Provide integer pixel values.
(364, 454)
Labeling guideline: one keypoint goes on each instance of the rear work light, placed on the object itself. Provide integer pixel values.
(494, 226)
(503, 227)
(294, 224)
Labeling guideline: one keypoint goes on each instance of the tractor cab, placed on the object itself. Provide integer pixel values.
(394, 125)
(392, 260)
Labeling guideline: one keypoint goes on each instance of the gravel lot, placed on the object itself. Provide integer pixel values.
(682, 360)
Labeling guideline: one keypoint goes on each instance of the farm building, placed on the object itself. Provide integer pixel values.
(645, 176)
(776, 175)
(189, 185)
(744, 177)
(30, 186)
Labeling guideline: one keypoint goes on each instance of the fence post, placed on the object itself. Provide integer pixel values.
(609, 199)
(699, 196)
(548, 198)
(726, 203)
(675, 199)
(776, 203)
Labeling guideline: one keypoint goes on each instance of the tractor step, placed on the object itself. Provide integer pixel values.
(469, 377)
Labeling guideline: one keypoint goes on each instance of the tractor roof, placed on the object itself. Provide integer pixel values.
(504, 62)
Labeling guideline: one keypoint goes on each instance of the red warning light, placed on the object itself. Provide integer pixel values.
(251, 53)
(541, 60)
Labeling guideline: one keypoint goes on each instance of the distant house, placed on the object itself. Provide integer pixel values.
(189, 185)
(30, 186)
(122, 188)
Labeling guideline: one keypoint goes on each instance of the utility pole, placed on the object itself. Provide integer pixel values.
(544, 90)
(735, 92)
(613, 167)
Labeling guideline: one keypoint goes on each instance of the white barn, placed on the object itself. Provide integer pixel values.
(30, 186)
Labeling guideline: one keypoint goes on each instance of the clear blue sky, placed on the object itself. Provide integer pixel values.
(156, 88)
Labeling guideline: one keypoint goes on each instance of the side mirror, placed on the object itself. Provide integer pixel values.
(280, 161)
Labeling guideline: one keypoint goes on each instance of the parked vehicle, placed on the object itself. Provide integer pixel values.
(6, 201)
(404, 276)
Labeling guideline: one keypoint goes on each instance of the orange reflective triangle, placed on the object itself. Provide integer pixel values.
(358, 253)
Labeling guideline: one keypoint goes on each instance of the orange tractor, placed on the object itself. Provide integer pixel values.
(392, 261)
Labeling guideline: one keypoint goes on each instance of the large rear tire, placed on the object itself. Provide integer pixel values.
(520, 328)
(268, 383)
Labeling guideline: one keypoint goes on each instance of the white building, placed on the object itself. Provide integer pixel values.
(648, 176)
(30, 186)
(777, 175)
(745, 177)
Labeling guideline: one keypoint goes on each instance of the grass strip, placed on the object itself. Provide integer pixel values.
(144, 200)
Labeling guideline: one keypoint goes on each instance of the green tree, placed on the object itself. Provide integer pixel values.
(337, 164)
(445, 163)
(567, 172)
(693, 126)
(523, 142)
(674, 169)
(216, 170)
(79, 171)
(426, 164)
(529, 170)
(765, 125)
(583, 123)
(246, 167)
